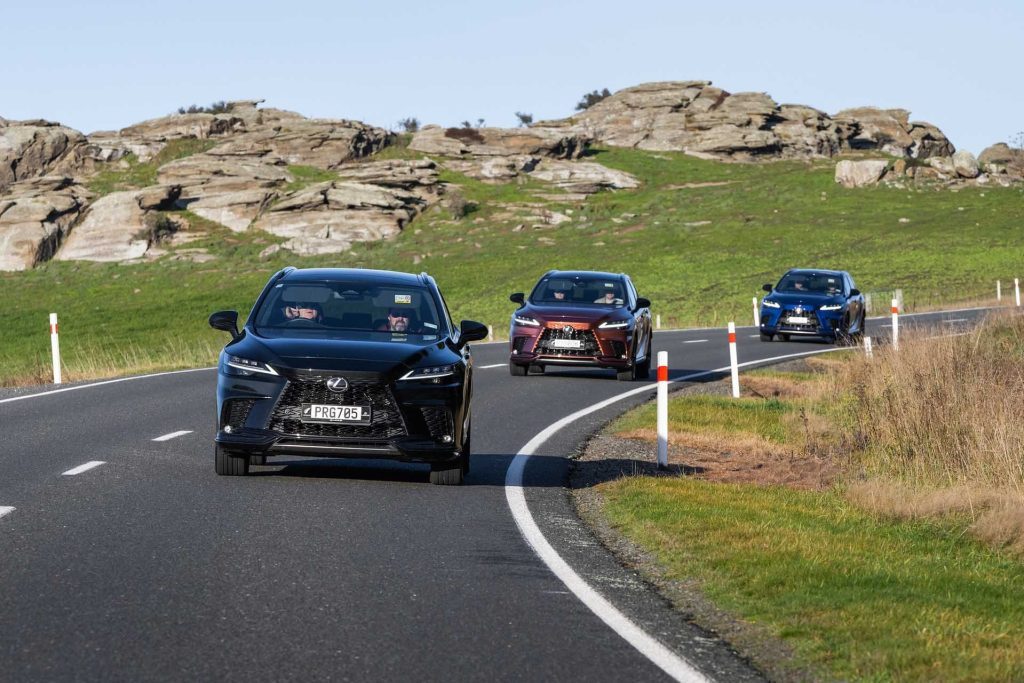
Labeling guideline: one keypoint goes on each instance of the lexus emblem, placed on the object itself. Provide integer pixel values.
(567, 329)
(798, 310)
(337, 384)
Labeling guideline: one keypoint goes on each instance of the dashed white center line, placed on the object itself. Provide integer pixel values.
(83, 468)
(5, 509)
(173, 435)
(496, 365)
(754, 335)
(695, 341)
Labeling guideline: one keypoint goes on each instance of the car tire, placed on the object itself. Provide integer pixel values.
(257, 460)
(627, 375)
(449, 476)
(767, 337)
(517, 370)
(229, 465)
(467, 453)
(536, 369)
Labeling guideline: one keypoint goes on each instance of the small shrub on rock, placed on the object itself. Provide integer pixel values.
(592, 98)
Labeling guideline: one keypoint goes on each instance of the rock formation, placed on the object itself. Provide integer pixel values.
(35, 216)
(29, 149)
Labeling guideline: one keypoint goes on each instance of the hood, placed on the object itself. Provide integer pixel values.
(805, 299)
(379, 352)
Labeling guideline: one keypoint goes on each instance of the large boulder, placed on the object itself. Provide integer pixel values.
(29, 149)
(35, 216)
(585, 177)
(498, 142)
(329, 217)
(114, 227)
(965, 165)
(892, 132)
(323, 143)
(1001, 159)
(860, 173)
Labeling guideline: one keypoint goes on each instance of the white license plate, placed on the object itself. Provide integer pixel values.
(317, 412)
(567, 343)
(798, 320)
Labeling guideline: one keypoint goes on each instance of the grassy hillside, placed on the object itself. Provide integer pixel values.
(699, 238)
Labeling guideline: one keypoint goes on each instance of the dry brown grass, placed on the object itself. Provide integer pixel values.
(942, 412)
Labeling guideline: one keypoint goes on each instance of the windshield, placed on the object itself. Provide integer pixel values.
(578, 291)
(810, 283)
(341, 309)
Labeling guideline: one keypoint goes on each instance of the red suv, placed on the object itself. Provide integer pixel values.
(581, 318)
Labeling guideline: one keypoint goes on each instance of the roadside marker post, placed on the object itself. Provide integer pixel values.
(490, 333)
(1016, 290)
(733, 362)
(662, 409)
(757, 314)
(55, 348)
(999, 290)
(867, 348)
(895, 324)
(657, 322)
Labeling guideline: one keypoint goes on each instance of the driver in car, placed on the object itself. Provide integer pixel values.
(398, 321)
(302, 311)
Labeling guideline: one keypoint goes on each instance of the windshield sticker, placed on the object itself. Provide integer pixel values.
(403, 298)
(430, 325)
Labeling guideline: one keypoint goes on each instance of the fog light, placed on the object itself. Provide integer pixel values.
(227, 429)
(514, 352)
(446, 439)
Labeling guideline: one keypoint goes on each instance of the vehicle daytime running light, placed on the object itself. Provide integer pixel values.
(613, 325)
(831, 307)
(250, 366)
(771, 304)
(522, 320)
(429, 373)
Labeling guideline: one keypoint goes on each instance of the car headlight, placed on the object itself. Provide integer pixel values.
(523, 320)
(433, 372)
(771, 304)
(244, 366)
(614, 324)
(831, 307)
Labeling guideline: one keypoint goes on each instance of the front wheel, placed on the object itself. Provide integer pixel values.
(767, 337)
(229, 465)
(627, 375)
(517, 370)
(450, 476)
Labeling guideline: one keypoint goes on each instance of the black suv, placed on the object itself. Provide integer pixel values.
(346, 362)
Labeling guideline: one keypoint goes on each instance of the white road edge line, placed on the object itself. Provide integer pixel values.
(99, 384)
(955, 320)
(173, 435)
(668, 661)
(5, 510)
(496, 365)
(83, 468)
(695, 341)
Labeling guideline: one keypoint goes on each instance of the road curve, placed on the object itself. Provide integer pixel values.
(125, 557)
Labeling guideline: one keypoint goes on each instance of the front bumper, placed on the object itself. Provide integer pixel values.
(816, 323)
(603, 348)
(410, 421)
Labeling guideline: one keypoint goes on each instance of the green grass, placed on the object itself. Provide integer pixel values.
(771, 217)
(714, 414)
(137, 174)
(861, 599)
(306, 176)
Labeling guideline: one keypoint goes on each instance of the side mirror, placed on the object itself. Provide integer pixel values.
(517, 298)
(767, 287)
(471, 330)
(642, 303)
(227, 321)
(854, 292)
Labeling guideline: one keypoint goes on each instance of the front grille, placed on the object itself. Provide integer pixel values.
(810, 326)
(236, 411)
(438, 421)
(546, 343)
(385, 418)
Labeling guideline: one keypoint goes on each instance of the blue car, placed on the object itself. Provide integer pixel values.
(813, 303)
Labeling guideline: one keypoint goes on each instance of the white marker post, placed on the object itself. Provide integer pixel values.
(657, 322)
(867, 348)
(733, 362)
(55, 348)
(662, 409)
(999, 290)
(757, 314)
(896, 324)
(490, 333)
(1016, 290)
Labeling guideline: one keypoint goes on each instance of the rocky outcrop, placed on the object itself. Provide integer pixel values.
(329, 217)
(29, 149)
(1002, 160)
(321, 143)
(860, 173)
(499, 142)
(35, 216)
(115, 228)
(585, 177)
(965, 165)
(700, 119)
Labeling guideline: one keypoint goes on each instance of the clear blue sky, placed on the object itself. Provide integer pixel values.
(102, 66)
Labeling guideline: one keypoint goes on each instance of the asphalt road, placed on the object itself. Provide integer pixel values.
(151, 567)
